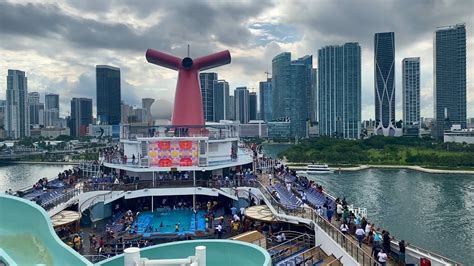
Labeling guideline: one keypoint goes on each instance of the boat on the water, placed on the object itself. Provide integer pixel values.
(314, 169)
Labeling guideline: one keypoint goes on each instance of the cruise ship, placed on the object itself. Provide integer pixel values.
(187, 193)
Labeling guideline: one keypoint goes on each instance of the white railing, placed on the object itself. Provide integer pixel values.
(132, 258)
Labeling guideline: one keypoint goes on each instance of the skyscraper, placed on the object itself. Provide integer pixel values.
(449, 69)
(221, 106)
(313, 108)
(340, 90)
(51, 101)
(206, 80)
(35, 109)
(242, 104)
(108, 95)
(18, 120)
(411, 95)
(291, 87)
(253, 106)
(146, 105)
(81, 116)
(231, 107)
(51, 109)
(265, 91)
(3, 111)
(384, 73)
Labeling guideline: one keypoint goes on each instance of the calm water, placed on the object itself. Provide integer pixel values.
(18, 176)
(432, 211)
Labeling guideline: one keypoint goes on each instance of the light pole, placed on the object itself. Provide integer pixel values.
(194, 195)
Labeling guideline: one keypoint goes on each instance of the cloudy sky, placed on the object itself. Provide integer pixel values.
(58, 43)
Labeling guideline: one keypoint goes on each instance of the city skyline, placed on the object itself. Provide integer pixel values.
(263, 31)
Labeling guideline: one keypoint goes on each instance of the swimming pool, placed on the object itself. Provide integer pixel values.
(163, 221)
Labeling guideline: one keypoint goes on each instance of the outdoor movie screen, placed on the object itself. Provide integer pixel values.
(173, 153)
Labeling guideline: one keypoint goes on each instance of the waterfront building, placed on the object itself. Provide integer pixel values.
(449, 69)
(3, 110)
(291, 89)
(146, 105)
(253, 129)
(35, 109)
(411, 96)
(54, 132)
(221, 99)
(470, 121)
(313, 108)
(340, 91)
(51, 109)
(253, 106)
(17, 116)
(384, 74)
(459, 135)
(206, 81)
(242, 104)
(231, 107)
(265, 92)
(108, 94)
(279, 129)
(81, 116)
(125, 112)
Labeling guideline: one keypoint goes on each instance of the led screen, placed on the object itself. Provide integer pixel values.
(173, 153)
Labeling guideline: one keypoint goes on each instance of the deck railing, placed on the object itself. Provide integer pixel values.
(344, 241)
(146, 184)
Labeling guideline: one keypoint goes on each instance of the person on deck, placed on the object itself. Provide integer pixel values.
(401, 254)
(360, 234)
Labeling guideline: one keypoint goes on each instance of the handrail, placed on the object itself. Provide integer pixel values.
(93, 199)
(342, 240)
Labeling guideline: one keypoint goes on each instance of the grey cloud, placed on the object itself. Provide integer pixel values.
(198, 21)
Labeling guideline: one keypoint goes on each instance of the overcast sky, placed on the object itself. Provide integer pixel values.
(58, 43)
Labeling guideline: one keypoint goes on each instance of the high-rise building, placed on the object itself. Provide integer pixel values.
(253, 106)
(313, 108)
(449, 69)
(221, 106)
(18, 120)
(146, 105)
(411, 95)
(206, 82)
(108, 95)
(51, 109)
(125, 112)
(231, 107)
(384, 73)
(51, 101)
(35, 109)
(3, 111)
(340, 90)
(242, 104)
(81, 116)
(265, 91)
(291, 90)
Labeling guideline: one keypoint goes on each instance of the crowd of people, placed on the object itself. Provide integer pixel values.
(348, 222)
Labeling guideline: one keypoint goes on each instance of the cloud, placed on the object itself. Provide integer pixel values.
(58, 43)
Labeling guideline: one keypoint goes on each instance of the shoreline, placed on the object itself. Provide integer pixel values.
(33, 162)
(410, 167)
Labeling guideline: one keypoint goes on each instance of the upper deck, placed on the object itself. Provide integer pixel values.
(177, 148)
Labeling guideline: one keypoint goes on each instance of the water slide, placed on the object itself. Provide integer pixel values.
(27, 236)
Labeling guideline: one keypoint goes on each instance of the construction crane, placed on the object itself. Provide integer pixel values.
(267, 73)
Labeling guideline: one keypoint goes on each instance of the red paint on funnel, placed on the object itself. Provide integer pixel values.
(188, 110)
